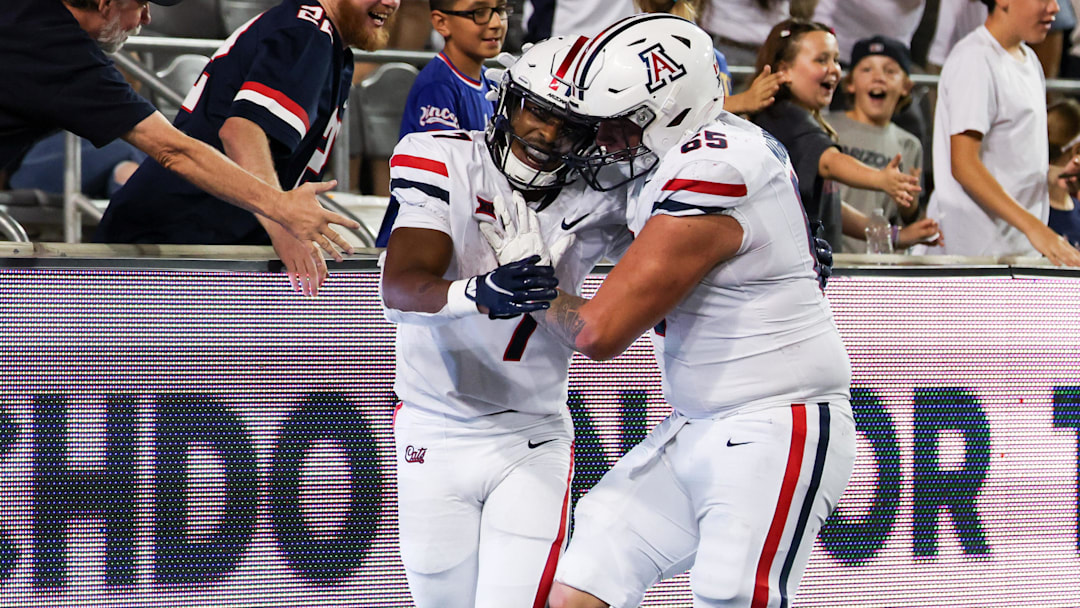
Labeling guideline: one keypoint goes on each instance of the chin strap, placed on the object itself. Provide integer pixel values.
(516, 169)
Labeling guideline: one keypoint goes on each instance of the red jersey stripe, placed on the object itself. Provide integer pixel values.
(289, 105)
(693, 185)
(783, 506)
(417, 162)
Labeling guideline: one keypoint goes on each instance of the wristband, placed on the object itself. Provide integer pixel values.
(895, 234)
(458, 304)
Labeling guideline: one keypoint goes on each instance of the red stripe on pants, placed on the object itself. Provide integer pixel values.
(783, 506)
(556, 547)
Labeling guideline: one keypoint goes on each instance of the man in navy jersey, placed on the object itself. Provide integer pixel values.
(271, 98)
(56, 76)
(451, 91)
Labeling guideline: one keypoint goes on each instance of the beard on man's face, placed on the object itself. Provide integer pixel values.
(359, 33)
(113, 35)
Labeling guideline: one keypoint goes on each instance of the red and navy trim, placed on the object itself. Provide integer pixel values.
(592, 52)
(785, 504)
(476, 84)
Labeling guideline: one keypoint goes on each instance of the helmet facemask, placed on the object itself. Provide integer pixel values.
(521, 143)
(618, 154)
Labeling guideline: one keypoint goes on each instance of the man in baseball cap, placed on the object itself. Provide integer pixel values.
(57, 75)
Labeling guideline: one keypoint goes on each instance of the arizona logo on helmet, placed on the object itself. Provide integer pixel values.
(662, 68)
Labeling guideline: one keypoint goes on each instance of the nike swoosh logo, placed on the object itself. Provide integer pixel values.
(732, 444)
(566, 226)
(533, 446)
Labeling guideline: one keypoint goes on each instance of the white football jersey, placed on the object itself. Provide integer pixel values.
(474, 366)
(757, 330)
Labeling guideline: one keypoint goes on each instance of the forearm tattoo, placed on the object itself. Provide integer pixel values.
(562, 319)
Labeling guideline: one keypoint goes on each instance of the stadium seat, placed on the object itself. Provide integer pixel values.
(379, 102)
(235, 13)
(26, 207)
(179, 75)
(189, 19)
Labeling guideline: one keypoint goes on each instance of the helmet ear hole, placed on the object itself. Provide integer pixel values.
(679, 119)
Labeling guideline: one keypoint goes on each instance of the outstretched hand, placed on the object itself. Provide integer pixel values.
(303, 262)
(1055, 247)
(902, 187)
(301, 214)
(760, 95)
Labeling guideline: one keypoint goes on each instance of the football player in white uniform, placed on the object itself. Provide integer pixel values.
(483, 434)
(736, 483)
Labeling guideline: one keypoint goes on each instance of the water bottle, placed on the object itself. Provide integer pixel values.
(879, 233)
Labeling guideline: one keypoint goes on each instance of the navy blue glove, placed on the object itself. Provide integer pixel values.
(515, 288)
(823, 251)
(823, 254)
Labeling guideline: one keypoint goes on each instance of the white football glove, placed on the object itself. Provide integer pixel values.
(515, 234)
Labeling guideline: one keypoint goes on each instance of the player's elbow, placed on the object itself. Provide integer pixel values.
(232, 133)
(393, 297)
(599, 345)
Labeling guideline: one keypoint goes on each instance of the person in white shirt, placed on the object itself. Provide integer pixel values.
(956, 19)
(573, 17)
(854, 20)
(483, 432)
(991, 195)
(739, 27)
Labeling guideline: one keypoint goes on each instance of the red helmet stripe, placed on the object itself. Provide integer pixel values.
(601, 40)
(574, 50)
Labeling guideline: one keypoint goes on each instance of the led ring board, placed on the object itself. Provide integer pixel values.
(186, 436)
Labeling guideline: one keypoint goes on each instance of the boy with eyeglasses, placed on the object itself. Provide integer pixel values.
(449, 93)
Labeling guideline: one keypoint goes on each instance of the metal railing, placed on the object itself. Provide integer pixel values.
(75, 202)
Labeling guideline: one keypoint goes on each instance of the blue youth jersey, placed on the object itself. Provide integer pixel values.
(725, 72)
(441, 98)
(287, 71)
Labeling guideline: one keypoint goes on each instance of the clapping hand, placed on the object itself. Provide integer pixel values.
(902, 187)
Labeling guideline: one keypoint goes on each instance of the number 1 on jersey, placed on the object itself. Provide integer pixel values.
(520, 339)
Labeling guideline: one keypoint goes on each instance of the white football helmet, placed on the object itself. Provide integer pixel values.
(646, 81)
(530, 95)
